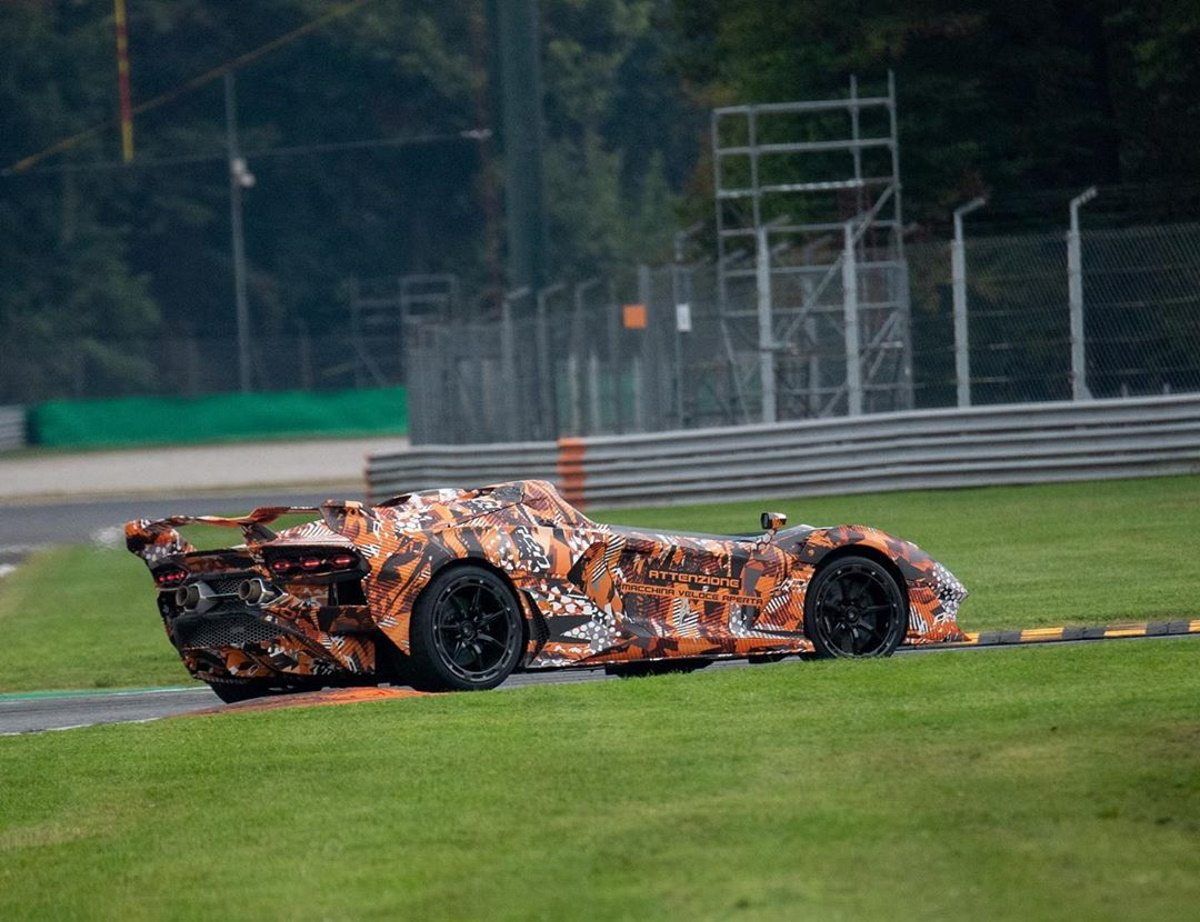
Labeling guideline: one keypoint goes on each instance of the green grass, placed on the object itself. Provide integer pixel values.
(1084, 553)
(1027, 783)
(1039, 555)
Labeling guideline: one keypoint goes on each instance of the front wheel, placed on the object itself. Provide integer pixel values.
(855, 608)
(466, 631)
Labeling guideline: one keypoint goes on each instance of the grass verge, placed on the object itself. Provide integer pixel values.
(1003, 784)
(1084, 553)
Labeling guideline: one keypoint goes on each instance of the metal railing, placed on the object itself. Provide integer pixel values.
(429, 467)
(1007, 319)
(957, 447)
(1056, 316)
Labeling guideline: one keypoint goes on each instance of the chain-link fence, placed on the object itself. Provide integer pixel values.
(183, 364)
(1142, 310)
(1139, 305)
(668, 351)
(1018, 320)
(578, 360)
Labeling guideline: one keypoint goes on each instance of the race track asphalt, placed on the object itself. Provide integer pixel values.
(40, 711)
(77, 522)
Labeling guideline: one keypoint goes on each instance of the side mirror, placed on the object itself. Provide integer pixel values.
(773, 521)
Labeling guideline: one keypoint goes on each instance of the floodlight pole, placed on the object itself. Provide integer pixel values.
(239, 178)
(958, 278)
(1079, 387)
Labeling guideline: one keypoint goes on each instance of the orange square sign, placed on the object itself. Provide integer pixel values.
(634, 316)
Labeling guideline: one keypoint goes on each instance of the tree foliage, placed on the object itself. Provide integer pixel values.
(1006, 97)
(1013, 96)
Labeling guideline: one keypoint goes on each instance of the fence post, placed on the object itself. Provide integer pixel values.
(580, 343)
(639, 406)
(547, 377)
(682, 305)
(615, 325)
(648, 336)
(958, 281)
(1079, 388)
(573, 393)
(593, 373)
(854, 401)
(766, 333)
(508, 362)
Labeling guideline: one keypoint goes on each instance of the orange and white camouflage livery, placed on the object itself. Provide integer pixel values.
(330, 601)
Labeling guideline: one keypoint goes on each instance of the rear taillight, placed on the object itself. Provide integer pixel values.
(170, 577)
(311, 562)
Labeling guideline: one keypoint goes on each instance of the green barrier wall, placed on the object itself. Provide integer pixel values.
(218, 417)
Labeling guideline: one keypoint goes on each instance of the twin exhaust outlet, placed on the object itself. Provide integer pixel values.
(199, 597)
(253, 591)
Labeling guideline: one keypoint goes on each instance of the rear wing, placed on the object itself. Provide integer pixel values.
(155, 541)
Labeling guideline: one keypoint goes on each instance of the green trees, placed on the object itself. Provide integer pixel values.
(1008, 97)
(94, 253)
(64, 262)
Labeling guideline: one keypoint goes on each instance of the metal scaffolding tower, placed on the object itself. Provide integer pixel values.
(380, 309)
(812, 278)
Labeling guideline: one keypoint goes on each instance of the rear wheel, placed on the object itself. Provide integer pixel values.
(855, 608)
(466, 631)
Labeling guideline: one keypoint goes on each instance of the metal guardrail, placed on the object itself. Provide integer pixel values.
(427, 467)
(978, 446)
(12, 428)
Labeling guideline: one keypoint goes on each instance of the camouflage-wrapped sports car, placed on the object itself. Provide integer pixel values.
(454, 589)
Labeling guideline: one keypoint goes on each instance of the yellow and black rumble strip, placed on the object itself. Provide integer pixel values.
(1059, 634)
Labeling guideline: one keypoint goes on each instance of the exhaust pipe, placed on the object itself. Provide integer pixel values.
(253, 591)
(194, 597)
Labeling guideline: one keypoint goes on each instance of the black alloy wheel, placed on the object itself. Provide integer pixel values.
(854, 608)
(466, 631)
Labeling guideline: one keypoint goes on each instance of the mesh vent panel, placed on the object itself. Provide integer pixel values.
(227, 629)
(224, 585)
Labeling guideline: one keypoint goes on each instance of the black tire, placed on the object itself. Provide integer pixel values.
(855, 608)
(466, 633)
